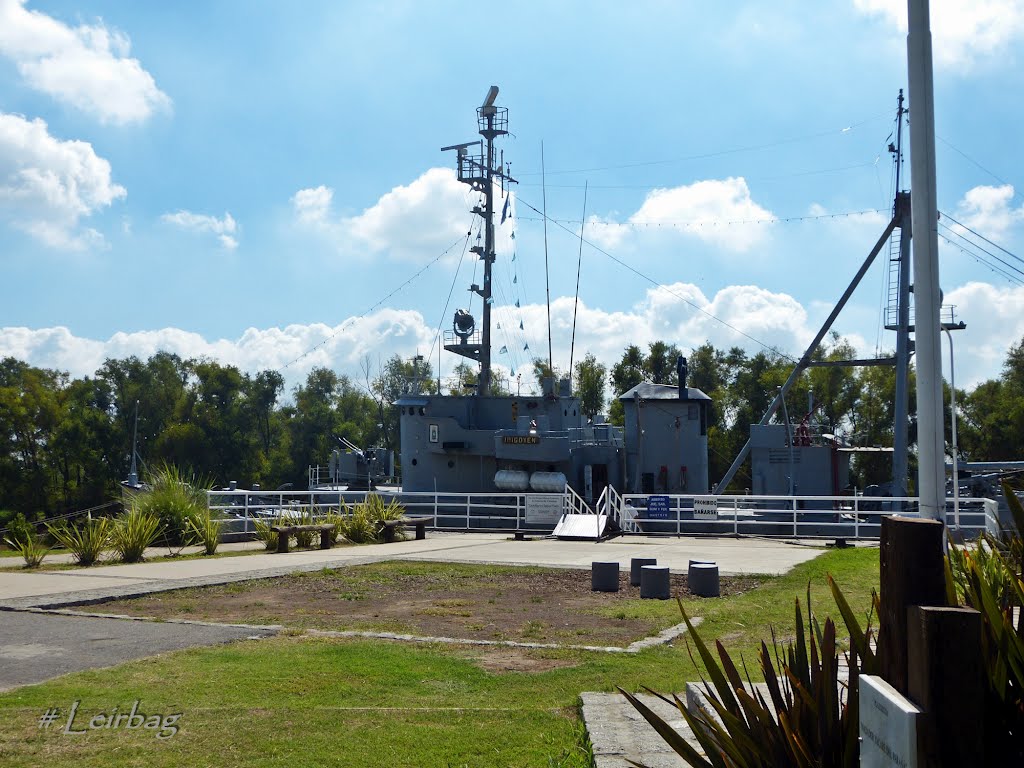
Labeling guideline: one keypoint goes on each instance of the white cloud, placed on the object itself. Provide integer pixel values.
(299, 347)
(963, 31)
(987, 210)
(413, 222)
(994, 322)
(224, 228)
(86, 66)
(48, 185)
(720, 212)
(312, 206)
(667, 313)
(605, 232)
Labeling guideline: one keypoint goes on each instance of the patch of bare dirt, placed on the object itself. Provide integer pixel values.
(500, 660)
(454, 601)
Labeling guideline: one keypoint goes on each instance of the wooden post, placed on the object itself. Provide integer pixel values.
(946, 681)
(282, 539)
(911, 574)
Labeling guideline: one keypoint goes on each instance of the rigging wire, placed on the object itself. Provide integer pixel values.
(444, 312)
(668, 290)
(968, 247)
(716, 153)
(367, 311)
(981, 260)
(976, 234)
(778, 177)
(716, 222)
(579, 267)
(975, 162)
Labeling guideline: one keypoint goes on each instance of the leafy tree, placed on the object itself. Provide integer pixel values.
(660, 363)
(629, 371)
(589, 383)
(396, 378)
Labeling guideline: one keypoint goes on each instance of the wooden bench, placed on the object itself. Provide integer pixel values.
(285, 531)
(388, 527)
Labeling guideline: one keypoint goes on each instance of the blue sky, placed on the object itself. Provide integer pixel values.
(249, 181)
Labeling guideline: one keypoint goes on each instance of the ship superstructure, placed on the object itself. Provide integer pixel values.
(484, 442)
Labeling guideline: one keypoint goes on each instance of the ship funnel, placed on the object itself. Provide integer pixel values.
(681, 371)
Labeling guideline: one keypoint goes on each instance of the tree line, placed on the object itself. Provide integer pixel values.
(856, 403)
(65, 443)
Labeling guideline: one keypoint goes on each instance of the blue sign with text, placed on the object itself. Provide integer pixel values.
(657, 507)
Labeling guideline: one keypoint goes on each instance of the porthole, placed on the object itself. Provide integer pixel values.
(415, 462)
(451, 464)
(423, 411)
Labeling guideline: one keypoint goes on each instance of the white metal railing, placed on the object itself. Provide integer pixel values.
(851, 517)
(610, 503)
(458, 511)
(575, 504)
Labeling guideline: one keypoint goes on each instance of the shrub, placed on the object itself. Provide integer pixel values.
(337, 519)
(357, 526)
(206, 530)
(806, 720)
(174, 499)
(32, 550)
(377, 511)
(19, 530)
(303, 539)
(133, 532)
(86, 541)
(264, 534)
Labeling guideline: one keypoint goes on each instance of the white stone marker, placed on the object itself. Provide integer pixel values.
(888, 725)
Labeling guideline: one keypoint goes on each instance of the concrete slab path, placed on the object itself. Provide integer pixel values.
(38, 646)
(21, 588)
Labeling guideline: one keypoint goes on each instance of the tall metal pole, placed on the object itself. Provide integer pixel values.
(484, 383)
(901, 407)
(952, 413)
(547, 271)
(924, 211)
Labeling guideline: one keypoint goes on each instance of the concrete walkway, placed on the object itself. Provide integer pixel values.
(20, 588)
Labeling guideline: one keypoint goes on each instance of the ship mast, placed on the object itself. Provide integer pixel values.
(479, 170)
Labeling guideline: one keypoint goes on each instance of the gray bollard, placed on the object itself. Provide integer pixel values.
(702, 580)
(689, 570)
(634, 568)
(604, 577)
(654, 582)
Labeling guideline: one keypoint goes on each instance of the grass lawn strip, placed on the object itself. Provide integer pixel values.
(305, 701)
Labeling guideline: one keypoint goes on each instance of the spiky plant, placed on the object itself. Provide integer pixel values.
(174, 497)
(32, 550)
(809, 716)
(357, 526)
(133, 532)
(304, 539)
(378, 511)
(85, 541)
(337, 519)
(206, 530)
(987, 577)
(263, 532)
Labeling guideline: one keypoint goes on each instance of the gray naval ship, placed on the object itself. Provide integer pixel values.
(486, 443)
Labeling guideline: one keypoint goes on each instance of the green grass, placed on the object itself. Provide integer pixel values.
(299, 701)
(108, 554)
